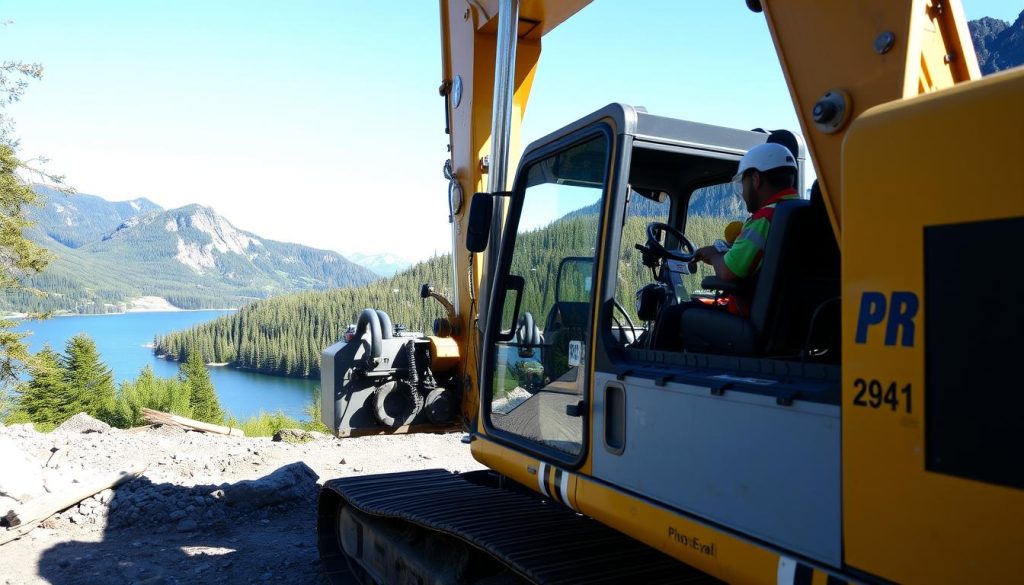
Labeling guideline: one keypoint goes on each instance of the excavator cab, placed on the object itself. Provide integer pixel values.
(575, 202)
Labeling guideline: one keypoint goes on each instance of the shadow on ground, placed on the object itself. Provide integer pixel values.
(251, 531)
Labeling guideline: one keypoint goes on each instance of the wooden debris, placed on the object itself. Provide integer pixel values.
(166, 418)
(24, 518)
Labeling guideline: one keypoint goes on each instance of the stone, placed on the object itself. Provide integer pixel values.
(106, 496)
(187, 525)
(287, 483)
(296, 436)
(83, 423)
(22, 477)
(178, 515)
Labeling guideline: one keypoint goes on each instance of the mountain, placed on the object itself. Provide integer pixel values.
(106, 257)
(999, 44)
(75, 220)
(382, 264)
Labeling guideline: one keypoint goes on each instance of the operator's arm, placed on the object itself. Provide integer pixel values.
(745, 254)
(709, 255)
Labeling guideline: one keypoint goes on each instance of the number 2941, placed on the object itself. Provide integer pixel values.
(875, 394)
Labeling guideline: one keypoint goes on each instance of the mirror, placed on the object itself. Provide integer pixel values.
(479, 228)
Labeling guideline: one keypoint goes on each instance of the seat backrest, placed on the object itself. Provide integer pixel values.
(800, 272)
(566, 321)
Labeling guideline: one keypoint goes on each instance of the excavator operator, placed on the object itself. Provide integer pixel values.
(767, 175)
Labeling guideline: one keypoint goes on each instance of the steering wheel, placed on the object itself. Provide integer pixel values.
(684, 253)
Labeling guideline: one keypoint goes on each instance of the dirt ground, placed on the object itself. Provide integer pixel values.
(207, 509)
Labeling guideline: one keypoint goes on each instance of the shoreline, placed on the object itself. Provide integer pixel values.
(25, 316)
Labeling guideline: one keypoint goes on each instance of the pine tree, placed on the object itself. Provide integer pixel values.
(45, 397)
(89, 381)
(203, 396)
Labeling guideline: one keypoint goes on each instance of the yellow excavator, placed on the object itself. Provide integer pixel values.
(861, 423)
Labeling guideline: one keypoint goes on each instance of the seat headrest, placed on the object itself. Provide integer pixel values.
(787, 139)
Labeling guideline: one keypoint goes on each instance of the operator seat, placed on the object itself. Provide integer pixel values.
(566, 321)
(796, 289)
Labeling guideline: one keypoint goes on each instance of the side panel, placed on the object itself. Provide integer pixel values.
(738, 459)
(919, 177)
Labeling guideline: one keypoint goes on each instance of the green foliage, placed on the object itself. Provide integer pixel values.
(89, 382)
(19, 259)
(266, 424)
(45, 397)
(285, 335)
(202, 396)
(149, 391)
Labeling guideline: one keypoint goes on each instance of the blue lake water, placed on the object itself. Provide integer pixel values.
(122, 342)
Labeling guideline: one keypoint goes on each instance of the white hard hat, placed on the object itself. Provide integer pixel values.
(765, 157)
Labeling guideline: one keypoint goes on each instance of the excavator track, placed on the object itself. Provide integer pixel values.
(526, 538)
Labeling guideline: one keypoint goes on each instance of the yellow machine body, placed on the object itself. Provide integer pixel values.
(917, 160)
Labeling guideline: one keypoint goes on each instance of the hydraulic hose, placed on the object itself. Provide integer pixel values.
(385, 324)
(369, 319)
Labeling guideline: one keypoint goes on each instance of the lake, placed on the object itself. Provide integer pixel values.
(122, 340)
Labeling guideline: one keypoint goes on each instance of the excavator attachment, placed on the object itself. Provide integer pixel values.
(378, 380)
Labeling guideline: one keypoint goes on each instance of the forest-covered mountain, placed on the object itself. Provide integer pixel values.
(286, 334)
(105, 256)
(79, 219)
(999, 44)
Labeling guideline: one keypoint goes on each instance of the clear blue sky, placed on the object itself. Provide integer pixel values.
(319, 122)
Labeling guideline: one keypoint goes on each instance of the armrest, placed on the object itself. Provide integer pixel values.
(714, 283)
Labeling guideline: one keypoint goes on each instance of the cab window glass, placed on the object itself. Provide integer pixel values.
(641, 210)
(540, 357)
(709, 211)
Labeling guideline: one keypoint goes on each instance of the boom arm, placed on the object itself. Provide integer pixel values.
(864, 54)
(469, 35)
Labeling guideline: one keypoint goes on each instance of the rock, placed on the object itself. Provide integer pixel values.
(23, 428)
(296, 436)
(187, 525)
(22, 477)
(178, 515)
(287, 483)
(82, 423)
(266, 576)
(106, 496)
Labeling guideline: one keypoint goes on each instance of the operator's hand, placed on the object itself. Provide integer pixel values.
(706, 254)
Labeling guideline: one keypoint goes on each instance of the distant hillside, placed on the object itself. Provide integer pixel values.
(713, 201)
(105, 257)
(999, 44)
(75, 220)
(382, 264)
(285, 335)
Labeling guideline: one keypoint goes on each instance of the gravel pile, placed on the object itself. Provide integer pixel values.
(208, 508)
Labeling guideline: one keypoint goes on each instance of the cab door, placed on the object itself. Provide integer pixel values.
(536, 346)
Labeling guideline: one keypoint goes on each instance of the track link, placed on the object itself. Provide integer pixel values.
(536, 540)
